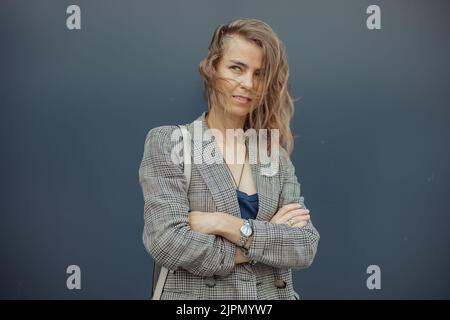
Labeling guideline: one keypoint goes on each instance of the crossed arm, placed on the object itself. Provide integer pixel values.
(227, 226)
(177, 238)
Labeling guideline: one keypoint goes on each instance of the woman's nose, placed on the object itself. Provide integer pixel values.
(247, 81)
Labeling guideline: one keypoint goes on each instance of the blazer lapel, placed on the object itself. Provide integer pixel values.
(268, 193)
(215, 175)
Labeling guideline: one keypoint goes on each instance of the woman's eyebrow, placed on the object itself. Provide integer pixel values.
(241, 64)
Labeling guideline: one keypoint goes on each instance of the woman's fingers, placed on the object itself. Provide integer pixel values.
(294, 214)
(292, 217)
(300, 224)
(287, 208)
(300, 218)
(283, 211)
(298, 221)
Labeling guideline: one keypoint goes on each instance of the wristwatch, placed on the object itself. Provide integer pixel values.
(246, 232)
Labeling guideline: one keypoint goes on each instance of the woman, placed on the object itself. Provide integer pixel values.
(235, 232)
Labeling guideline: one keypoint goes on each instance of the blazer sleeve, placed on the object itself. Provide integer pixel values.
(279, 245)
(167, 235)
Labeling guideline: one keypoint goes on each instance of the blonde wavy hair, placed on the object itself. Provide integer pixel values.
(274, 106)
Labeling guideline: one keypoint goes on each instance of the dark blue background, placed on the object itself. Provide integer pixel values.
(371, 153)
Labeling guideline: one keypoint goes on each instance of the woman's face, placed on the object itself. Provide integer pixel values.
(240, 65)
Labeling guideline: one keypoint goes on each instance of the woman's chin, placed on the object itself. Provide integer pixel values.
(241, 109)
(240, 112)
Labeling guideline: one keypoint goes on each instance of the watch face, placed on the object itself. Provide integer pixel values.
(246, 230)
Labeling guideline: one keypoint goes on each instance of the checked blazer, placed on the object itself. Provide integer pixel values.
(201, 265)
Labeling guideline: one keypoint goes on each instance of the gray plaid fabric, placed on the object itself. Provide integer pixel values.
(202, 266)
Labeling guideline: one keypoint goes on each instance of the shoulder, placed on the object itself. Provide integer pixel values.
(161, 136)
(161, 143)
(162, 147)
(283, 154)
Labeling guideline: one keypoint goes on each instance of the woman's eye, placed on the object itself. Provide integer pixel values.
(236, 68)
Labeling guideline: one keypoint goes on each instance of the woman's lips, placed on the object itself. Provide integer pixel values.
(241, 99)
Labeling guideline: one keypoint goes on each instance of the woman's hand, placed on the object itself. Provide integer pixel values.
(292, 215)
(204, 222)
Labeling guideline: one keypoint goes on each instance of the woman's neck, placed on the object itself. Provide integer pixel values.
(217, 119)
